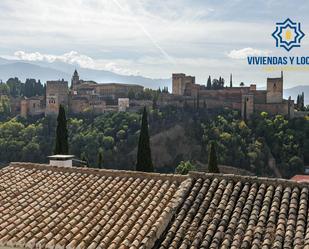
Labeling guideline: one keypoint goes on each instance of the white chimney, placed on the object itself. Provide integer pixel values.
(61, 160)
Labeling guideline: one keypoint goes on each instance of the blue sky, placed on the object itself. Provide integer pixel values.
(153, 38)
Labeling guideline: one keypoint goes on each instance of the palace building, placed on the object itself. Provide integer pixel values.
(247, 99)
(82, 96)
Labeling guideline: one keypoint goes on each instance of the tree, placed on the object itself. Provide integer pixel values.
(144, 161)
(100, 159)
(62, 145)
(302, 101)
(245, 110)
(208, 83)
(295, 166)
(221, 83)
(154, 102)
(215, 84)
(184, 167)
(4, 89)
(231, 81)
(5, 107)
(212, 159)
(108, 142)
(16, 87)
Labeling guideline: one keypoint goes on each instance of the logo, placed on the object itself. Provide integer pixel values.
(288, 34)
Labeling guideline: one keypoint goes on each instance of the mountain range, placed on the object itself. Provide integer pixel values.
(59, 70)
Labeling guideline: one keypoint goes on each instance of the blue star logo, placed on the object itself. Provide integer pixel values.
(288, 34)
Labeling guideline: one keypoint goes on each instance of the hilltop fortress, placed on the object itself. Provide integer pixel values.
(82, 96)
(89, 96)
(247, 99)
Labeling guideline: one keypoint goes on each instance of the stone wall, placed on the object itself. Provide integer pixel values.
(78, 104)
(276, 108)
(117, 90)
(32, 106)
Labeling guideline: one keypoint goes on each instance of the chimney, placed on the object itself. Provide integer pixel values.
(61, 160)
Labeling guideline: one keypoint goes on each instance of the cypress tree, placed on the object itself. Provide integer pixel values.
(231, 81)
(100, 159)
(302, 101)
(212, 159)
(245, 110)
(144, 162)
(62, 145)
(208, 83)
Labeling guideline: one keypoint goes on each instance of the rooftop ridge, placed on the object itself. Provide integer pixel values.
(157, 176)
(250, 179)
(178, 198)
(105, 172)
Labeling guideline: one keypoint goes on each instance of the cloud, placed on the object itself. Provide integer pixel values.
(74, 58)
(152, 38)
(243, 53)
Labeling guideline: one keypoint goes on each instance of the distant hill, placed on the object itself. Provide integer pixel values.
(26, 70)
(294, 91)
(57, 70)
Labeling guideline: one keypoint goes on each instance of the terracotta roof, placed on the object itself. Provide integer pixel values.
(49, 207)
(240, 212)
(52, 207)
(300, 178)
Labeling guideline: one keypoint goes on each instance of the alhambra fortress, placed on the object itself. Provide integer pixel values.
(90, 96)
(247, 99)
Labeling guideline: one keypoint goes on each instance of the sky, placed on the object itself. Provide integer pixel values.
(154, 38)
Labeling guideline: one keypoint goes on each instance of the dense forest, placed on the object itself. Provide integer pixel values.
(250, 145)
(14, 87)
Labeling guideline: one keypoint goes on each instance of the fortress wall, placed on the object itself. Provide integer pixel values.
(78, 105)
(228, 94)
(260, 97)
(274, 108)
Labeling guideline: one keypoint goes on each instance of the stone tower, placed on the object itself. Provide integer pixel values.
(274, 90)
(75, 80)
(180, 81)
(247, 106)
(56, 94)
